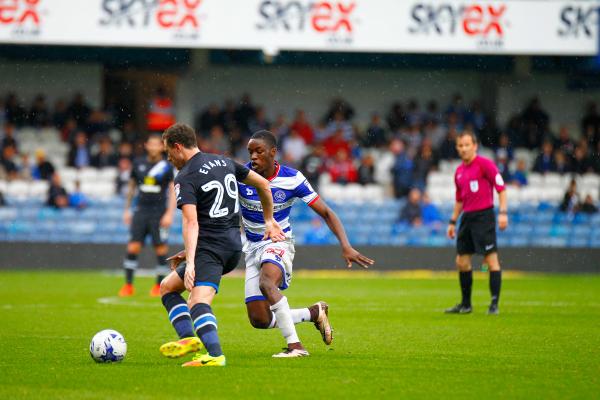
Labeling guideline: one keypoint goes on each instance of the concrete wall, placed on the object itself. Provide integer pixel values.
(55, 80)
(67, 256)
(284, 89)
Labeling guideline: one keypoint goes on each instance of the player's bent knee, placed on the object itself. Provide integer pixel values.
(259, 322)
(169, 285)
(134, 247)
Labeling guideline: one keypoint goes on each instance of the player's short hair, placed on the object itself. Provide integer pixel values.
(467, 132)
(266, 137)
(182, 134)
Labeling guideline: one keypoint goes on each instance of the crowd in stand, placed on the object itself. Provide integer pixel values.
(400, 146)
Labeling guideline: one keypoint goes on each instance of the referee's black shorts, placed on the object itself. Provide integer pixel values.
(147, 222)
(477, 233)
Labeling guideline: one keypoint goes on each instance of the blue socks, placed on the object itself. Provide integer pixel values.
(179, 314)
(205, 325)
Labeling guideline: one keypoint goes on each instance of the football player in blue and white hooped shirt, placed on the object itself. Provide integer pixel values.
(269, 264)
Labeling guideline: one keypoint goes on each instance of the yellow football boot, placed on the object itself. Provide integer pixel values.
(205, 360)
(181, 347)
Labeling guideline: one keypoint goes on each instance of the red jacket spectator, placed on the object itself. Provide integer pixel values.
(303, 127)
(335, 143)
(342, 169)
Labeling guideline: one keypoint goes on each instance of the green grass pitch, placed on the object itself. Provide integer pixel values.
(391, 340)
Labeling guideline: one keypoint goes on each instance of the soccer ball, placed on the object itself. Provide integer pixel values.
(108, 346)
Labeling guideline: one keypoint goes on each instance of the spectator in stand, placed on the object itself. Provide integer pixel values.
(2, 112)
(336, 142)
(457, 108)
(544, 162)
(396, 118)
(8, 163)
(564, 142)
(376, 135)
(60, 114)
(425, 162)
(412, 137)
(339, 105)
(294, 149)
(402, 170)
(69, 130)
(430, 213)
(503, 167)
(39, 116)
(411, 212)
(588, 206)
(596, 159)
(581, 161)
(259, 121)
(97, 123)
(43, 169)
(124, 175)
(366, 170)
(208, 119)
(432, 114)
(590, 123)
(14, 111)
(129, 133)
(280, 128)
(340, 124)
(79, 155)
(2, 200)
(303, 127)
(561, 162)
(8, 138)
(218, 142)
(106, 156)
(535, 121)
(414, 116)
(79, 110)
(448, 148)
(341, 168)
(570, 199)
(244, 113)
(313, 165)
(477, 119)
(519, 178)
(125, 151)
(57, 195)
(504, 149)
(77, 199)
(228, 116)
(435, 132)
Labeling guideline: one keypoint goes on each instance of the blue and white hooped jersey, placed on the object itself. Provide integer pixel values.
(287, 184)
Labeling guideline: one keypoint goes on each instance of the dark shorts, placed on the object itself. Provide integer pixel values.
(147, 222)
(477, 233)
(215, 258)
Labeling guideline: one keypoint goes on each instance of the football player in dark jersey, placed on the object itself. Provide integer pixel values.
(152, 176)
(207, 194)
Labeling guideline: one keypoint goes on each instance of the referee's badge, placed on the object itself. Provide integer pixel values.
(474, 186)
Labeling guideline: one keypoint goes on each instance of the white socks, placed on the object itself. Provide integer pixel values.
(298, 315)
(282, 312)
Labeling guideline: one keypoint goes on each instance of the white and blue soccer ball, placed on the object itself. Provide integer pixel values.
(108, 346)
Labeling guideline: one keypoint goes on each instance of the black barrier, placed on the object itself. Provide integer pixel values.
(98, 256)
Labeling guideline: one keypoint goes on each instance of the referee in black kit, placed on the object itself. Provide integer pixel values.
(475, 180)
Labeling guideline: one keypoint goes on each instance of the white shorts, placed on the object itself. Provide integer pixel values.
(258, 253)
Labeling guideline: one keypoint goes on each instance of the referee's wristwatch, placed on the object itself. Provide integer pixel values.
(452, 222)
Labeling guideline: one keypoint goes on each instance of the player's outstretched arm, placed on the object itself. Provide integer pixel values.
(190, 240)
(272, 229)
(335, 225)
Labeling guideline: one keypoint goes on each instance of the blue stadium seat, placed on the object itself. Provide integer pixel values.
(575, 241)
